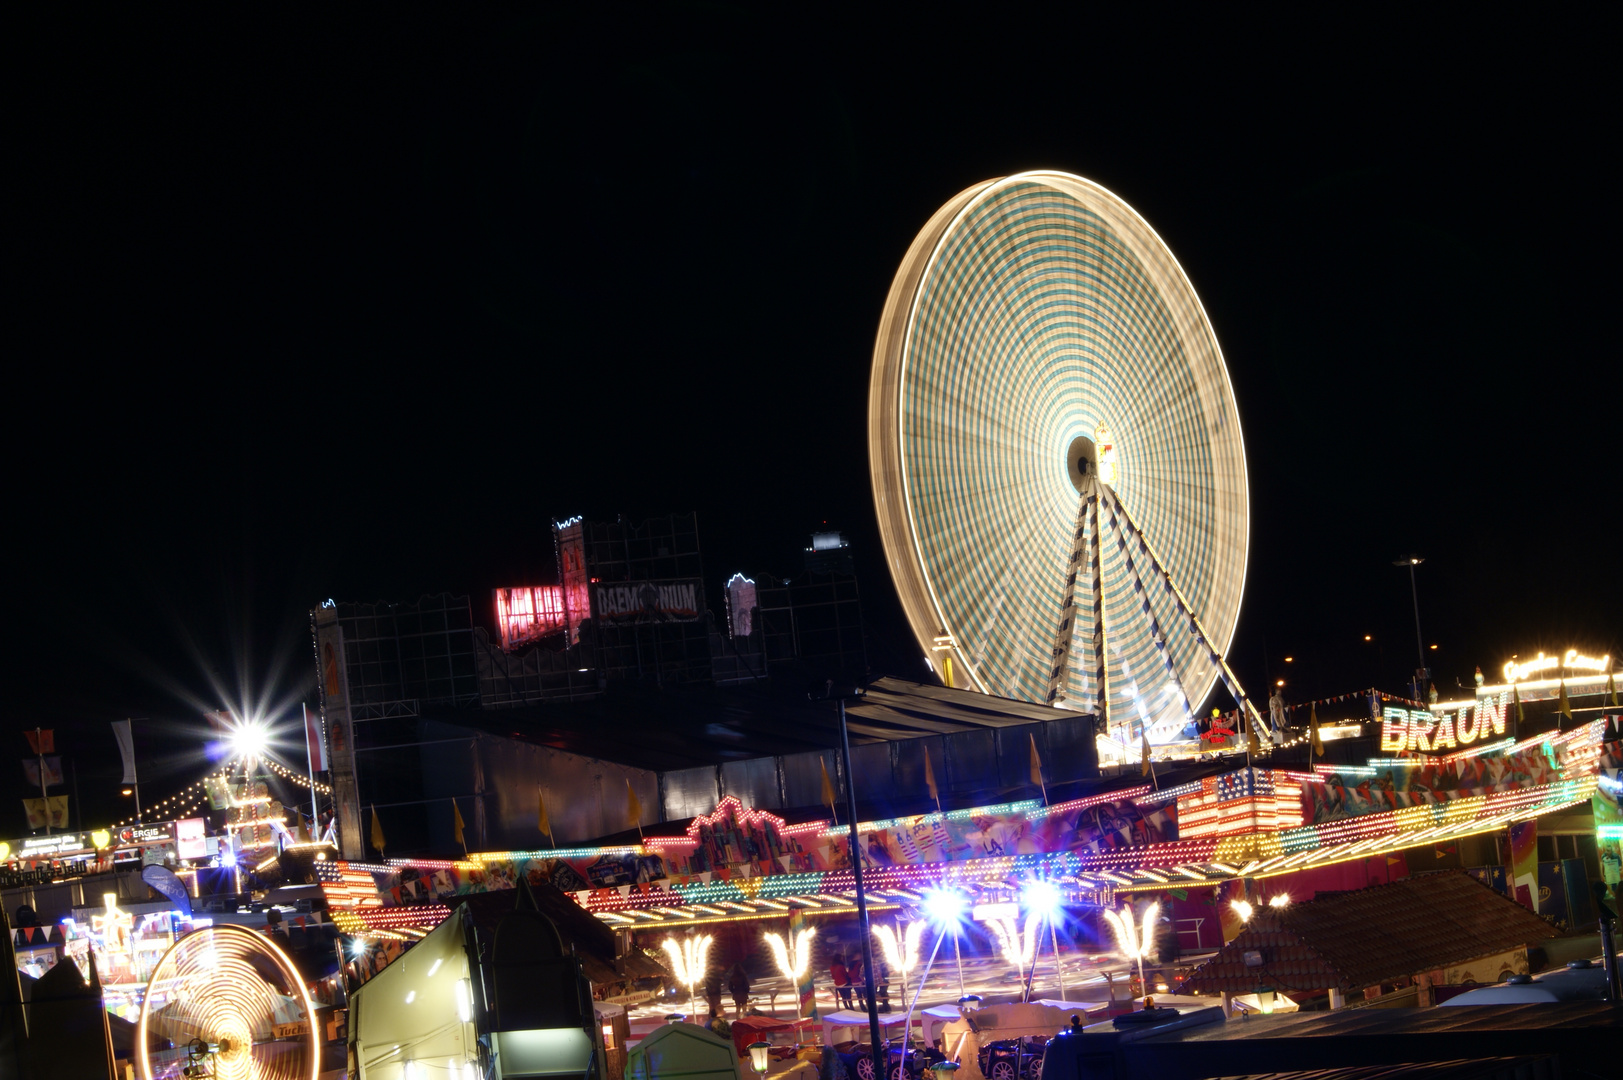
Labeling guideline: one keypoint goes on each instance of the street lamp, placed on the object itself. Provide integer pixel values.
(945, 1069)
(760, 1056)
(1421, 673)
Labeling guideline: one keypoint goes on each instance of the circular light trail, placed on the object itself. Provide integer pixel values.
(1039, 338)
(227, 990)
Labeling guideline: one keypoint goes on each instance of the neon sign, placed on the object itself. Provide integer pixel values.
(1404, 729)
(1571, 659)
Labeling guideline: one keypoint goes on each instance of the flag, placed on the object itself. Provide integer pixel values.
(126, 748)
(543, 822)
(1313, 726)
(828, 788)
(1562, 705)
(314, 743)
(1516, 696)
(456, 820)
(1036, 762)
(52, 811)
(377, 831)
(929, 779)
(1611, 690)
(1144, 762)
(633, 805)
(53, 771)
(41, 740)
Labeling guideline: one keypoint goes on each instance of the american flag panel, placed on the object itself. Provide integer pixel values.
(1250, 800)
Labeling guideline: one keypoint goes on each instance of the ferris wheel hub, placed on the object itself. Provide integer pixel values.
(1082, 462)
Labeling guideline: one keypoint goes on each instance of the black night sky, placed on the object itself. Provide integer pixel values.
(306, 305)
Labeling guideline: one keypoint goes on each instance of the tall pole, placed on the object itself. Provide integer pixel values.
(862, 901)
(1420, 674)
(44, 797)
(310, 761)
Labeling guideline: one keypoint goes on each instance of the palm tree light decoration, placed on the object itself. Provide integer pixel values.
(1135, 943)
(688, 961)
(1019, 946)
(793, 957)
(901, 947)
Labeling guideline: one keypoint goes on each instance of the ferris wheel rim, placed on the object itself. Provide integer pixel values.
(141, 1052)
(888, 404)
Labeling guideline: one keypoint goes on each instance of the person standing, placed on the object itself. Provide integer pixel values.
(859, 983)
(739, 983)
(842, 982)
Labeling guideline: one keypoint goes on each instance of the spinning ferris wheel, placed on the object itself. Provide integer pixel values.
(232, 1006)
(1057, 460)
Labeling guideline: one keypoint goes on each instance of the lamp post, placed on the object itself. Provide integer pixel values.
(1421, 672)
(760, 1056)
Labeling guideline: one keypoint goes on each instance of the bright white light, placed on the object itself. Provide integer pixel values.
(1042, 898)
(411, 1070)
(1243, 909)
(1279, 899)
(945, 907)
(249, 740)
(793, 958)
(411, 996)
(1136, 943)
(436, 965)
(901, 947)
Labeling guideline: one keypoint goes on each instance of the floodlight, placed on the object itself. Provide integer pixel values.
(945, 907)
(1279, 900)
(249, 740)
(1243, 909)
(1042, 898)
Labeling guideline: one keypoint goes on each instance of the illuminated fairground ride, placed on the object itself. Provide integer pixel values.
(1057, 460)
(739, 863)
(232, 1006)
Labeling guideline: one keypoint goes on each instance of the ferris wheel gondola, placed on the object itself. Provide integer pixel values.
(1057, 461)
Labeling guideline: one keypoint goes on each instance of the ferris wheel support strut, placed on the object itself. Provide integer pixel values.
(1229, 680)
(1102, 687)
(1067, 626)
(1149, 613)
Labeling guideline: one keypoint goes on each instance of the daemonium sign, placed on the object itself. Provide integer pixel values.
(642, 603)
(1405, 729)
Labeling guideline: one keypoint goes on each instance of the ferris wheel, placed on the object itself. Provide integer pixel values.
(1057, 461)
(232, 1007)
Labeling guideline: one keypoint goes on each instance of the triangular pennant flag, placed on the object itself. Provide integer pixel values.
(828, 789)
(633, 805)
(543, 822)
(1036, 763)
(377, 831)
(1516, 697)
(1562, 705)
(1144, 761)
(929, 780)
(1313, 726)
(456, 817)
(1611, 691)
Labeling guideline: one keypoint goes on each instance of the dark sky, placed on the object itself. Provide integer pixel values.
(302, 306)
